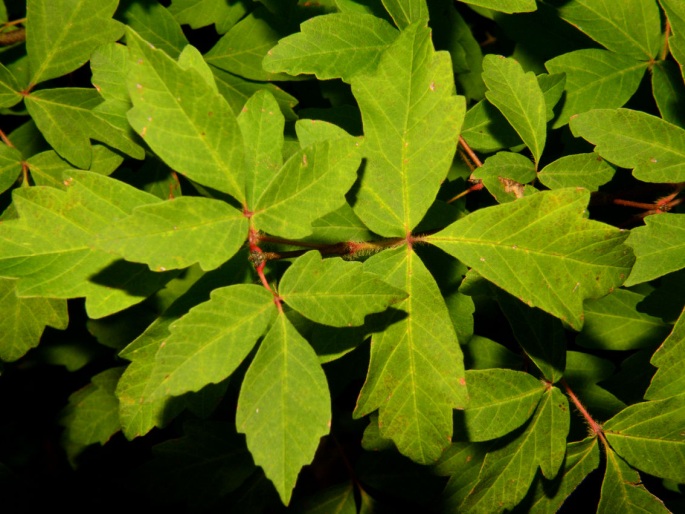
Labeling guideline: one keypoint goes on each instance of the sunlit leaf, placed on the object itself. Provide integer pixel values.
(506, 6)
(406, 12)
(542, 250)
(155, 24)
(504, 175)
(669, 358)
(284, 406)
(586, 170)
(411, 124)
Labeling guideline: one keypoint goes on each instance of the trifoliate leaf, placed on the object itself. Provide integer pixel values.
(669, 379)
(542, 250)
(654, 148)
(658, 247)
(586, 170)
(406, 12)
(332, 46)
(509, 470)
(499, 401)
(207, 344)
(519, 98)
(178, 233)
(615, 322)
(80, 120)
(632, 28)
(312, 183)
(650, 437)
(411, 125)
(622, 490)
(24, 320)
(335, 292)
(184, 120)
(284, 406)
(61, 34)
(416, 372)
(595, 79)
(49, 248)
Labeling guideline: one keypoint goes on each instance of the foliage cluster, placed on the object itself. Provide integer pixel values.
(343, 255)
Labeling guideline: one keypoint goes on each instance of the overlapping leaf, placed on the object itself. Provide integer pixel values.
(207, 344)
(675, 11)
(178, 233)
(659, 247)
(10, 166)
(499, 401)
(595, 79)
(49, 248)
(669, 379)
(632, 139)
(542, 250)
(61, 34)
(155, 24)
(284, 405)
(622, 490)
(335, 292)
(506, 6)
(332, 46)
(184, 120)
(508, 471)
(669, 92)
(504, 175)
(9, 88)
(406, 12)
(312, 183)
(615, 322)
(200, 13)
(650, 437)
(416, 374)
(69, 118)
(519, 98)
(586, 170)
(24, 320)
(632, 27)
(411, 124)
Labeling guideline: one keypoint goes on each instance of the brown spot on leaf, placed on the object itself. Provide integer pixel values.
(511, 186)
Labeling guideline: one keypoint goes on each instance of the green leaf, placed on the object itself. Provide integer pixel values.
(177, 233)
(622, 490)
(632, 28)
(595, 79)
(339, 225)
(207, 344)
(312, 183)
(69, 119)
(332, 46)
(506, 6)
(9, 88)
(92, 415)
(241, 50)
(542, 250)
(658, 247)
(586, 170)
(582, 457)
(49, 248)
(669, 92)
(462, 463)
(184, 120)
(335, 292)
(48, 168)
(487, 130)
(519, 98)
(284, 406)
(615, 322)
(483, 353)
(109, 64)
(504, 175)
(61, 34)
(669, 358)
(508, 471)
(650, 437)
(338, 499)
(155, 24)
(10, 166)
(200, 13)
(24, 320)
(261, 125)
(634, 139)
(411, 125)
(500, 401)
(675, 12)
(406, 12)
(416, 373)
(209, 461)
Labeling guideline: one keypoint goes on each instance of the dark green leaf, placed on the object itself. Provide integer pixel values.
(152, 22)
(658, 247)
(669, 358)
(507, 6)
(200, 13)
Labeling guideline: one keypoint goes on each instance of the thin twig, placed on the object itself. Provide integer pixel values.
(595, 427)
